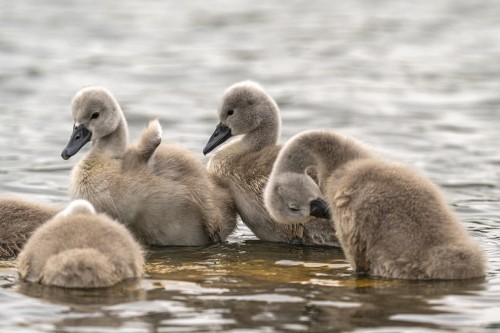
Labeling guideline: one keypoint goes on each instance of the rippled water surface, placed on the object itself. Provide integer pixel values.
(420, 81)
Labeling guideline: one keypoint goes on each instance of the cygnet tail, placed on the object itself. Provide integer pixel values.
(461, 261)
(79, 268)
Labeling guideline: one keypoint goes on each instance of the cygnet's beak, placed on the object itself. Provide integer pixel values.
(319, 209)
(80, 136)
(221, 134)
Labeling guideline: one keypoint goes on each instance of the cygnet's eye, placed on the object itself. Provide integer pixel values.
(95, 115)
(230, 112)
(294, 208)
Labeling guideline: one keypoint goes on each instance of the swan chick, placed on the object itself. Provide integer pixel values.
(391, 221)
(160, 191)
(249, 112)
(80, 248)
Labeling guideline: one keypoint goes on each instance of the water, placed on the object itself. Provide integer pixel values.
(419, 81)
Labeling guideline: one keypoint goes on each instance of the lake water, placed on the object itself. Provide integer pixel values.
(419, 81)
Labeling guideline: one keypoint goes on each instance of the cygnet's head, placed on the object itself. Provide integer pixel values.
(244, 107)
(96, 114)
(294, 198)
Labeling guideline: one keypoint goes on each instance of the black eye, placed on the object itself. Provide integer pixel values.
(230, 112)
(95, 115)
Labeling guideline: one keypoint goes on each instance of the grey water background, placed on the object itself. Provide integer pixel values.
(419, 81)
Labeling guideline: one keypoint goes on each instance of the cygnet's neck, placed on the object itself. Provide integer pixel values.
(114, 144)
(326, 151)
(266, 134)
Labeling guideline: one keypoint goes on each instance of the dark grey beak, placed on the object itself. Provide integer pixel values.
(221, 134)
(319, 209)
(80, 136)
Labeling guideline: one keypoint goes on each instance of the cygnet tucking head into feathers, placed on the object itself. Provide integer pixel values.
(79, 248)
(245, 108)
(294, 198)
(96, 114)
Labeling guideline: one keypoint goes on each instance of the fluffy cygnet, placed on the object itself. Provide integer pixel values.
(160, 191)
(79, 248)
(18, 219)
(391, 221)
(244, 165)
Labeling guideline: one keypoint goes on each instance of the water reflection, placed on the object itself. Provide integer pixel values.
(124, 292)
(255, 285)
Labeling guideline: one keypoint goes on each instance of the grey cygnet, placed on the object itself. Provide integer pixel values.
(391, 221)
(161, 192)
(244, 165)
(79, 248)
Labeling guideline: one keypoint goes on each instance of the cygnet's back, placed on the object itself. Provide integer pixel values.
(190, 195)
(18, 219)
(403, 226)
(247, 110)
(79, 248)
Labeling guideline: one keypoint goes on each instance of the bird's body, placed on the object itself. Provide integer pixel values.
(80, 249)
(245, 165)
(160, 191)
(391, 221)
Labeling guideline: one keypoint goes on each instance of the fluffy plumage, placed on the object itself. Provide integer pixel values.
(390, 220)
(245, 165)
(18, 219)
(160, 191)
(79, 248)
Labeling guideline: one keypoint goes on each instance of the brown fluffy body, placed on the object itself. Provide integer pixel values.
(160, 191)
(80, 249)
(245, 165)
(391, 221)
(18, 220)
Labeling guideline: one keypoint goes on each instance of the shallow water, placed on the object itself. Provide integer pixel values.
(418, 81)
